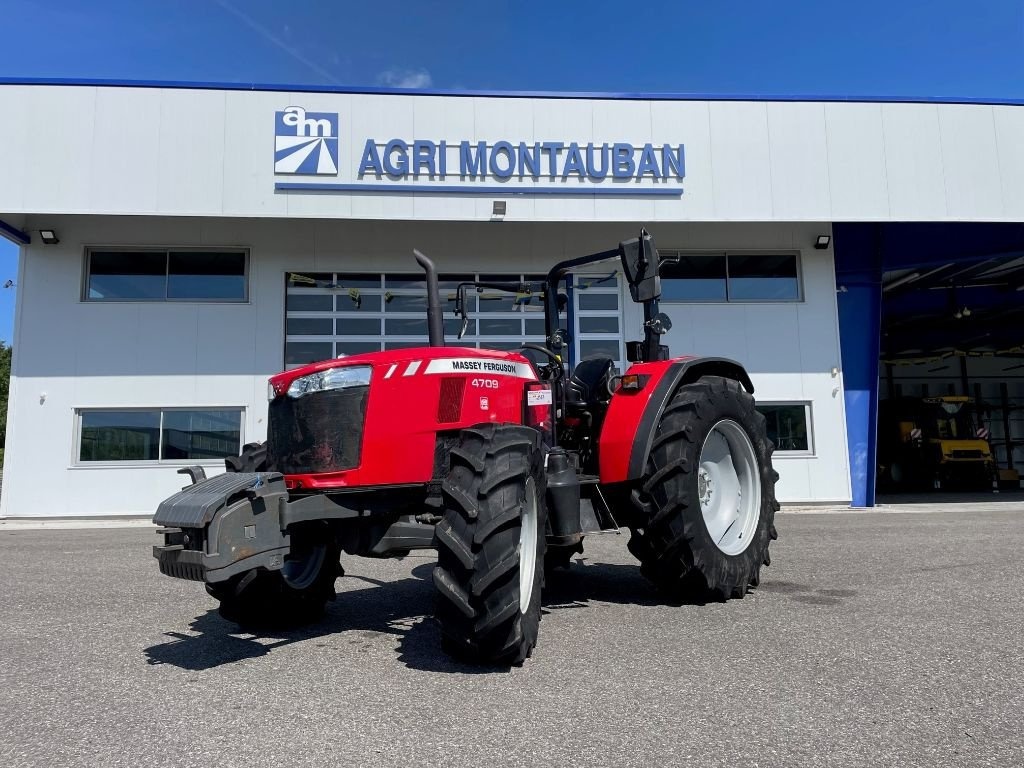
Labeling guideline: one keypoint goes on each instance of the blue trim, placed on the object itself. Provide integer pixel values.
(599, 95)
(858, 260)
(13, 234)
(461, 189)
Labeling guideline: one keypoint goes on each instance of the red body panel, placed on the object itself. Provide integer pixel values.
(404, 405)
(624, 413)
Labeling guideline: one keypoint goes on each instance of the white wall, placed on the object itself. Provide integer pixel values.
(87, 149)
(89, 354)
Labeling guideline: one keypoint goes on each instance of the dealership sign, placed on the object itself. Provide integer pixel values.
(306, 144)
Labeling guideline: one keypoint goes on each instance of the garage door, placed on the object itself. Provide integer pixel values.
(328, 314)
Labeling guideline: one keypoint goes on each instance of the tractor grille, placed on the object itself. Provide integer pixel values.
(967, 454)
(449, 408)
(319, 432)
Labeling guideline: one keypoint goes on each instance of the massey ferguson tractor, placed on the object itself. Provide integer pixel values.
(502, 465)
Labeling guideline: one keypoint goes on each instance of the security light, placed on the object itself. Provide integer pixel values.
(48, 236)
(822, 242)
(498, 209)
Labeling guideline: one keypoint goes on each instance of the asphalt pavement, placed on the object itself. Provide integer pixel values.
(874, 640)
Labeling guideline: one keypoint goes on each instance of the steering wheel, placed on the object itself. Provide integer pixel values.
(554, 367)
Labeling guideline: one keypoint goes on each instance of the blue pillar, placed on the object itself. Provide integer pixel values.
(859, 298)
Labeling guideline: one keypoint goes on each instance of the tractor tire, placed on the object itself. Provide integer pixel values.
(708, 495)
(490, 545)
(252, 459)
(292, 596)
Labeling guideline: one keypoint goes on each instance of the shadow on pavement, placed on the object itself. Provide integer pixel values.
(401, 608)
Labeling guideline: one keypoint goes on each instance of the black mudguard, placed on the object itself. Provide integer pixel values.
(680, 373)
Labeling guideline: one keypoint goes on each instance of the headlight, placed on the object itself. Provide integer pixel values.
(333, 378)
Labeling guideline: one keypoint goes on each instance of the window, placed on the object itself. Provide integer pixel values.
(343, 313)
(788, 426)
(730, 277)
(598, 317)
(155, 434)
(165, 275)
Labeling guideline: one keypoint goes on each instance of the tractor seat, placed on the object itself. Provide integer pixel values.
(587, 383)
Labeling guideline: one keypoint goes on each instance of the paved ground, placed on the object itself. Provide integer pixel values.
(875, 639)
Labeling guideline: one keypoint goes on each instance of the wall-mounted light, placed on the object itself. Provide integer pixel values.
(498, 209)
(823, 242)
(48, 236)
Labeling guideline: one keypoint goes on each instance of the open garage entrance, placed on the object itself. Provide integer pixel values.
(932, 329)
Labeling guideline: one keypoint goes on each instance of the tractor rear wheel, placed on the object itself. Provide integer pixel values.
(490, 545)
(708, 495)
(295, 594)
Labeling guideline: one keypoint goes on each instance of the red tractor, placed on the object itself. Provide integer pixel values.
(502, 464)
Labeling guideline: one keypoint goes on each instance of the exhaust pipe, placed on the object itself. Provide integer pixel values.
(435, 321)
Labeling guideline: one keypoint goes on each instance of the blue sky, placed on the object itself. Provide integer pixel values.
(870, 48)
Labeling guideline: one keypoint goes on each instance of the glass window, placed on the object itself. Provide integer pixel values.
(159, 275)
(306, 326)
(496, 326)
(120, 436)
(606, 347)
(599, 301)
(765, 277)
(133, 275)
(206, 275)
(309, 279)
(599, 324)
(404, 344)
(535, 327)
(201, 434)
(358, 326)
(696, 277)
(731, 277)
(398, 303)
(363, 302)
(357, 347)
(414, 281)
(309, 302)
(170, 434)
(452, 327)
(406, 326)
(788, 425)
(303, 352)
(357, 280)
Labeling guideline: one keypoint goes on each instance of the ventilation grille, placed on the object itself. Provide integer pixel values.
(449, 408)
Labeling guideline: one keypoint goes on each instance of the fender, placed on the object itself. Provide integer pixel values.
(632, 418)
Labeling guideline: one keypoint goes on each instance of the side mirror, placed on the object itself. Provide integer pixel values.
(641, 262)
(465, 325)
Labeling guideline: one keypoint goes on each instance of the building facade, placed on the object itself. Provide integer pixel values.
(181, 244)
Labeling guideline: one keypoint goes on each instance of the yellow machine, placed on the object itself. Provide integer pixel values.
(932, 442)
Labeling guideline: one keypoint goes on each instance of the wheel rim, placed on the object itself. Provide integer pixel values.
(729, 487)
(303, 564)
(527, 546)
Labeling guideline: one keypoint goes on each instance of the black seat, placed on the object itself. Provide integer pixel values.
(588, 381)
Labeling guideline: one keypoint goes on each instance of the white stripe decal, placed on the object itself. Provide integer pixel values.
(413, 367)
(486, 365)
(391, 370)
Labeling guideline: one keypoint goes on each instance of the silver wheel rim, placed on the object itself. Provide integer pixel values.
(729, 487)
(527, 545)
(302, 567)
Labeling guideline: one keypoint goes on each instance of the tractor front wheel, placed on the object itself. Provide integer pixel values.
(708, 495)
(490, 545)
(295, 594)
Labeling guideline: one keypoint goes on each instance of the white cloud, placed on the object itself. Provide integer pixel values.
(405, 78)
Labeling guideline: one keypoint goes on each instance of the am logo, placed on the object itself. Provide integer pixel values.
(305, 143)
